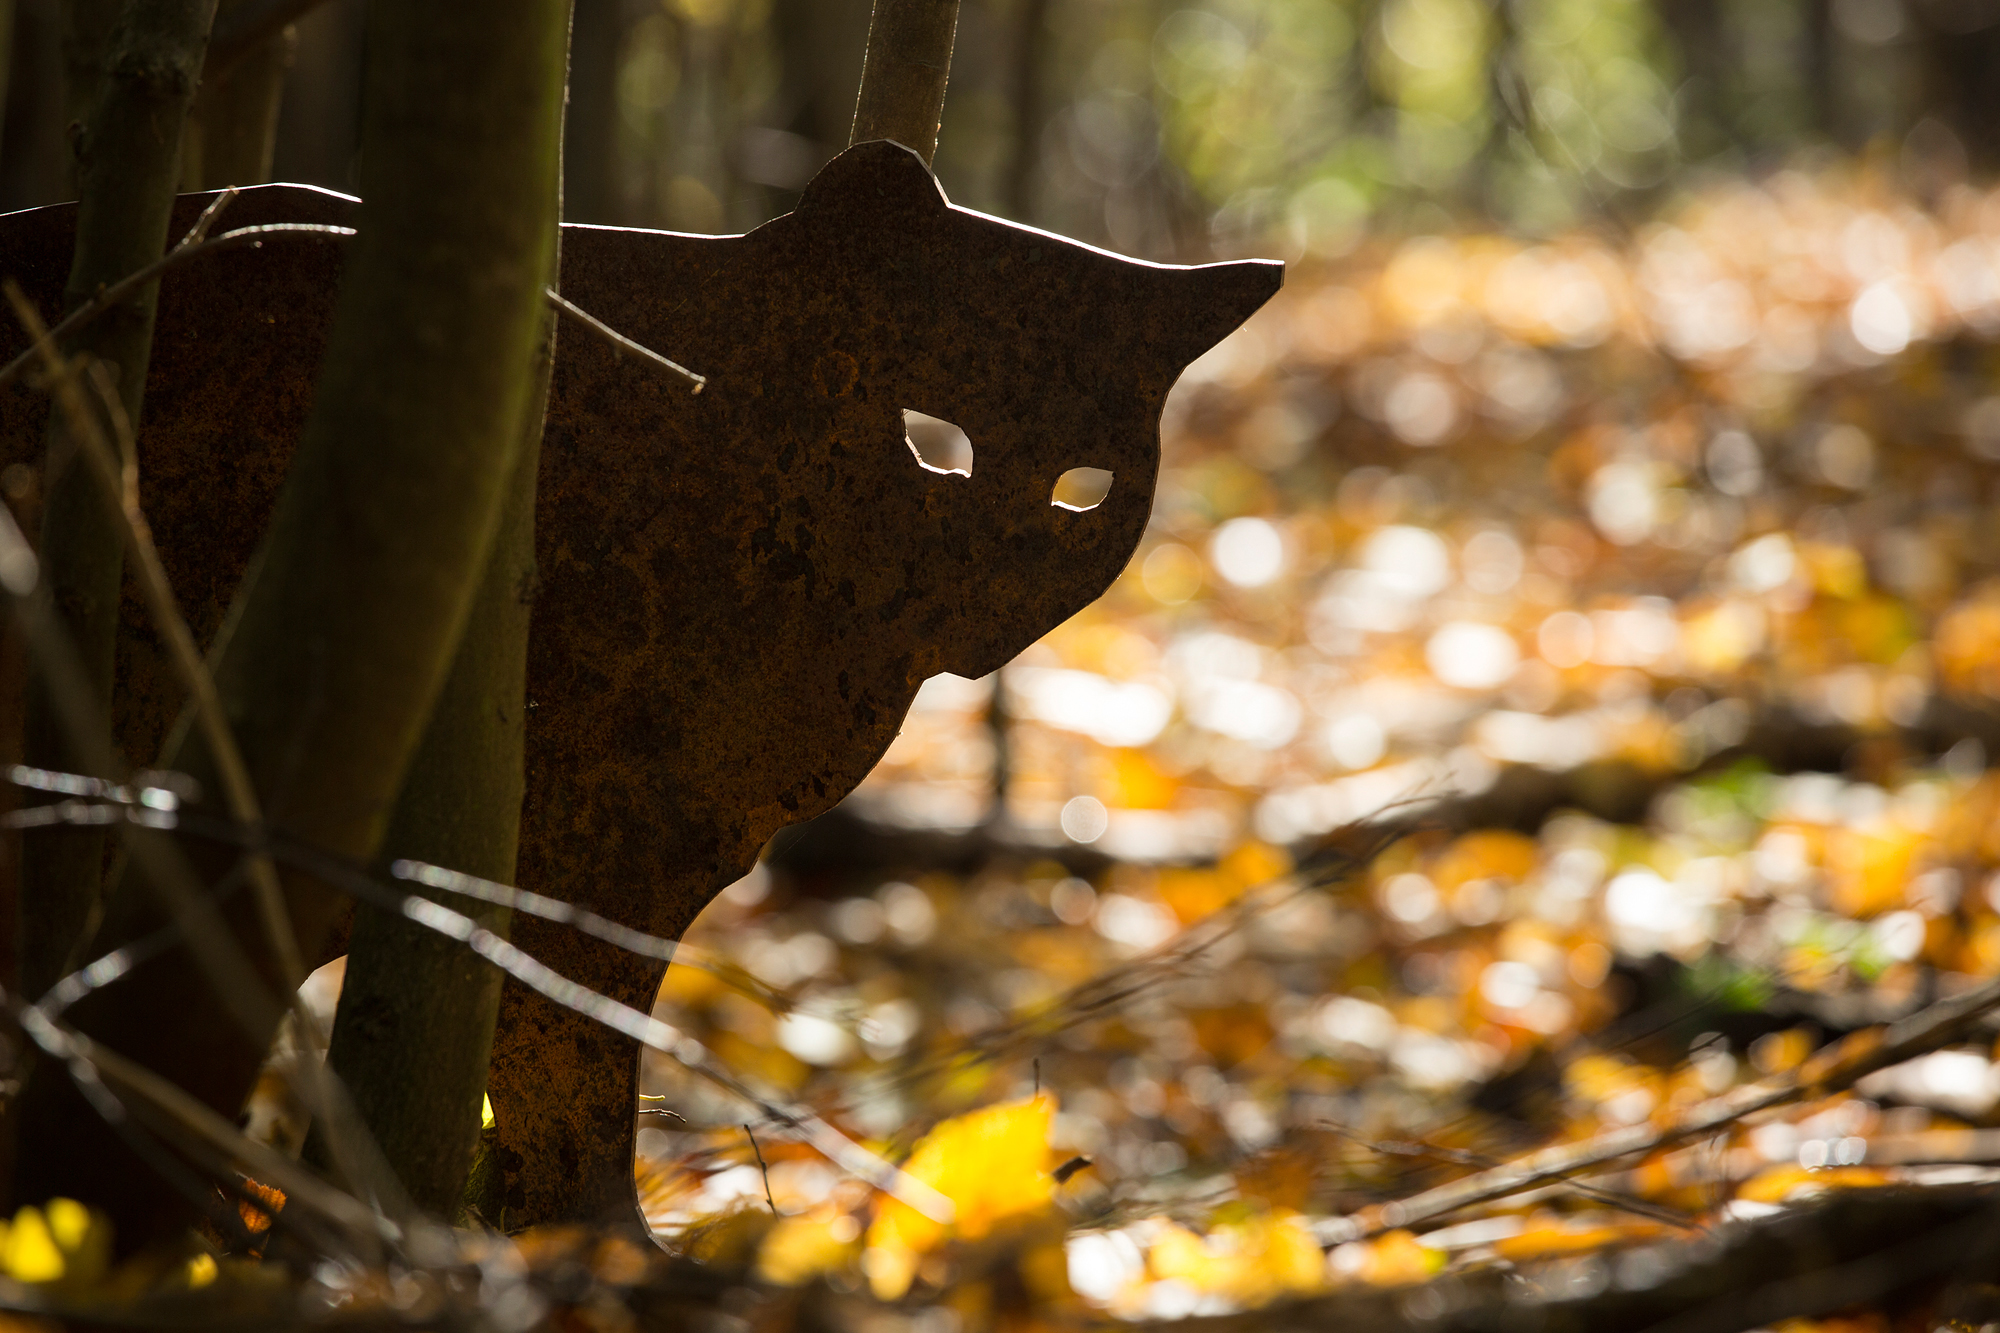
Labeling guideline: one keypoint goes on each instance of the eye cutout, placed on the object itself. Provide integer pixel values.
(1081, 489)
(937, 444)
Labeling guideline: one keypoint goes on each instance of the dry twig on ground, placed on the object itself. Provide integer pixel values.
(1836, 1068)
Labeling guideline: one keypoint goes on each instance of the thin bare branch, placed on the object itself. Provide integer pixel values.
(1831, 1070)
(127, 286)
(199, 231)
(651, 1033)
(623, 343)
(196, 244)
(121, 492)
(751, 1135)
(1108, 991)
(537, 905)
(1846, 1248)
(1459, 1157)
(264, 1163)
(165, 867)
(684, 1050)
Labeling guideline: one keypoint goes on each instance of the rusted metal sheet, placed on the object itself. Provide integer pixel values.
(741, 590)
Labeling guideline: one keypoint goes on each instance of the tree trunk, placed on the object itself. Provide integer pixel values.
(341, 640)
(904, 72)
(233, 125)
(6, 57)
(1030, 56)
(1707, 95)
(590, 131)
(819, 45)
(86, 31)
(33, 157)
(414, 1029)
(319, 123)
(127, 157)
(1959, 55)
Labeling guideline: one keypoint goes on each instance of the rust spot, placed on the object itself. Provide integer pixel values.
(835, 373)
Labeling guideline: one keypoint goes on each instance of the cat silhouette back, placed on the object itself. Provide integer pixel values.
(741, 590)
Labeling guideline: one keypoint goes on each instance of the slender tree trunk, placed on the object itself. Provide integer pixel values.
(1707, 93)
(904, 73)
(414, 1030)
(233, 124)
(590, 131)
(1960, 66)
(127, 158)
(6, 56)
(319, 123)
(1510, 106)
(344, 633)
(1030, 55)
(819, 44)
(1823, 91)
(33, 155)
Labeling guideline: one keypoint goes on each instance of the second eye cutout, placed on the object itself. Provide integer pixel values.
(938, 445)
(1081, 489)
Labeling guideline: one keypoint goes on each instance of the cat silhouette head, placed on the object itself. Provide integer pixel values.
(1048, 354)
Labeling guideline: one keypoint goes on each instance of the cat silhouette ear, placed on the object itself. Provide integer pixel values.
(879, 174)
(1210, 300)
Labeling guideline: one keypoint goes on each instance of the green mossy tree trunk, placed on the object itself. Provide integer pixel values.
(140, 79)
(341, 640)
(414, 1029)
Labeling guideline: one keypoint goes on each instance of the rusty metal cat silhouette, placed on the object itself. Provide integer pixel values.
(740, 591)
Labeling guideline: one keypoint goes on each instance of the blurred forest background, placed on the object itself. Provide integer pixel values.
(1556, 693)
(1173, 132)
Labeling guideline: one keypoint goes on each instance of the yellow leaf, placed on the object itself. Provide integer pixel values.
(1553, 1240)
(991, 1163)
(1596, 1079)
(32, 1255)
(1781, 1052)
(1717, 639)
(1176, 1252)
(1195, 893)
(690, 985)
(1254, 864)
(799, 1249)
(1867, 871)
(84, 1237)
(1250, 1260)
(1140, 782)
(1782, 1182)
(1487, 854)
(1966, 642)
(1836, 570)
(1398, 1258)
